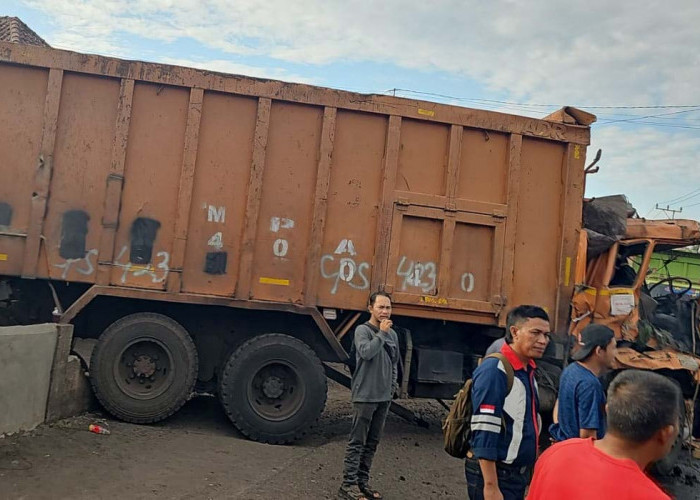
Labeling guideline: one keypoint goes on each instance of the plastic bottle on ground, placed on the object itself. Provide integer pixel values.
(97, 429)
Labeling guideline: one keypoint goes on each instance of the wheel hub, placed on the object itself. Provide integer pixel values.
(275, 391)
(273, 387)
(144, 366)
(144, 370)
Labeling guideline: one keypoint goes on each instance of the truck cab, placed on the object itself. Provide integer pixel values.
(655, 322)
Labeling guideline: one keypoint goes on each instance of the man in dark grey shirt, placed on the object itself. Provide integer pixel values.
(373, 385)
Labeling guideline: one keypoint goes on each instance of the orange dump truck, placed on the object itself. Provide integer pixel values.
(222, 233)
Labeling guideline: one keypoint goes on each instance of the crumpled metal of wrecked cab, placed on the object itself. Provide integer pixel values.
(656, 360)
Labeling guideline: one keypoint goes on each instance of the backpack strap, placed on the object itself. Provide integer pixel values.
(510, 374)
(386, 347)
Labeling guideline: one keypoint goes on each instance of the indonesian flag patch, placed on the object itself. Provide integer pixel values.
(487, 409)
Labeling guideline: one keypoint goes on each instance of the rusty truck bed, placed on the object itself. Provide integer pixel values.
(154, 177)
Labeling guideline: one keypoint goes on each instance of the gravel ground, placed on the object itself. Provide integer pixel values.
(197, 454)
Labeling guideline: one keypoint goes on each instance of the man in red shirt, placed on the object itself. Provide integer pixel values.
(643, 420)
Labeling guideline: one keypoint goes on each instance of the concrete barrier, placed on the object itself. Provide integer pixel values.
(26, 362)
(39, 379)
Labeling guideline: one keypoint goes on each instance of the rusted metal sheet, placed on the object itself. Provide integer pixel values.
(306, 94)
(115, 182)
(320, 205)
(218, 208)
(144, 240)
(627, 357)
(252, 212)
(195, 184)
(673, 230)
(383, 228)
(571, 217)
(42, 176)
(184, 199)
(514, 151)
(347, 264)
(536, 266)
(22, 93)
(286, 206)
(82, 162)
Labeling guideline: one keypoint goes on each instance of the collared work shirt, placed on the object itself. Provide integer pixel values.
(516, 442)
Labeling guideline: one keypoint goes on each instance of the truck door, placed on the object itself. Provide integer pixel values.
(445, 257)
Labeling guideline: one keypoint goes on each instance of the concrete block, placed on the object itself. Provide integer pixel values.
(26, 361)
(58, 372)
(76, 394)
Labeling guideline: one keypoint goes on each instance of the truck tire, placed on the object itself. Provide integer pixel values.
(273, 388)
(143, 368)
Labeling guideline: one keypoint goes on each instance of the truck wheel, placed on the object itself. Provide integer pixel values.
(143, 368)
(273, 388)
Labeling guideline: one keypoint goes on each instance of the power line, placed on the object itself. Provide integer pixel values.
(679, 199)
(659, 124)
(445, 96)
(608, 122)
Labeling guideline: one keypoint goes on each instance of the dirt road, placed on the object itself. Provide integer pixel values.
(197, 454)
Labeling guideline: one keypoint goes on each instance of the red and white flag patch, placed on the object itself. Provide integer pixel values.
(487, 409)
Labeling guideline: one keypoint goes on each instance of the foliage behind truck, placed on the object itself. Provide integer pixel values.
(224, 232)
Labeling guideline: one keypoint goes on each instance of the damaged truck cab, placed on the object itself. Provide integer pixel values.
(612, 290)
(656, 324)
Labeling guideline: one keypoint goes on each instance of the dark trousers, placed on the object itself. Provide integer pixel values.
(367, 426)
(512, 481)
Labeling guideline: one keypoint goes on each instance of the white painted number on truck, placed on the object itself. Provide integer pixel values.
(341, 268)
(158, 274)
(84, 266)
(280, 247)
(467, 282)
(216, 214)
(216, 241)
(421, 275)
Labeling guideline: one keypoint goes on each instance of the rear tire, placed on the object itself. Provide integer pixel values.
(143, 368)
(273, 388)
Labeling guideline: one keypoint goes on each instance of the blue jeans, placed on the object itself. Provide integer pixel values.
(512, 481)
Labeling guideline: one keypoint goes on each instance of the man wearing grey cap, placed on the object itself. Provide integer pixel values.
(581, 404)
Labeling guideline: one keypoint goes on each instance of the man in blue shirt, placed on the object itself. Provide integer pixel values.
(581, 412)
(505, 425)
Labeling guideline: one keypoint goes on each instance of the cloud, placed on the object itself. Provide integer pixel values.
(648, 165)
(565, 52)
(577, 53)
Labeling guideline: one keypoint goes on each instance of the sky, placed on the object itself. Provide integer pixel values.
(635, 64)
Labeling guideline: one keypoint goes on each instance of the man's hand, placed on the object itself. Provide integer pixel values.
(491, 492)
(488, 472)
(385, 325)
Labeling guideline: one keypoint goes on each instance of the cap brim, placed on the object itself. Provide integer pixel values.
(582, 352)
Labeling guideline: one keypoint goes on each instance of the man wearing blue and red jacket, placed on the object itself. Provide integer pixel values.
(499, 464)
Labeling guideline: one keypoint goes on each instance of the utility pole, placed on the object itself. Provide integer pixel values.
(668, 210)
